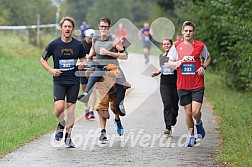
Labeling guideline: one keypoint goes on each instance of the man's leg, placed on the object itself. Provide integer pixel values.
(72, 93)
(59, 113)
(189, 119)
(146, 54)
(92, 102)
(86, 111)
(196, 107)
(185, 97)
(59, 92)
(70, 117)
(197, 100)
(93, 78)
(113, 105)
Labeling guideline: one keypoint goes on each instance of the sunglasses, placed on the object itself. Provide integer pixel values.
(104, 26)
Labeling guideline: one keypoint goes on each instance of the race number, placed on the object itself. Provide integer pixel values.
(187, 69)
(166, 70)
(66, 64)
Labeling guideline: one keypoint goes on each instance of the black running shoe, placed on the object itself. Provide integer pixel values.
(59, 132)
(68, 141)
(103, 138)
(84, 97)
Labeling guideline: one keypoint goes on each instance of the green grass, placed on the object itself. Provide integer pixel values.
(26, 94)
(235, 126)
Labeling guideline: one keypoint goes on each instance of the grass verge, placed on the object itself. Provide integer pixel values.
(235, 126)
(26, 111)
(26, 94)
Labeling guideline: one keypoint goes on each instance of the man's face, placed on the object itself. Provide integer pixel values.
(67, 29)
(188, 33)
(104, 28)
(89, 39)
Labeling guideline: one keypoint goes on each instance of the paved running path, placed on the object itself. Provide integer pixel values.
(142, 144)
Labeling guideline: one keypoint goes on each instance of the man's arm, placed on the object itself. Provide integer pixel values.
(92, 51)
(54, 72)
(201, 70)
(205, 54)
(121, 54)
(207, 61)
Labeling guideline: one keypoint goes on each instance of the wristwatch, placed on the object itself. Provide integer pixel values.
(203, 67)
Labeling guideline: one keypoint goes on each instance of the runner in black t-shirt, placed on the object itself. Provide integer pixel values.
(90, 105)
(66, 51)
(168, 88)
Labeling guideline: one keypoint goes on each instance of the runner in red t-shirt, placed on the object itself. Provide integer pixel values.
(187, 56)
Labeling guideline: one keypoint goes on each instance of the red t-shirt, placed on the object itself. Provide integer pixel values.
(121, 33)
(191, 55)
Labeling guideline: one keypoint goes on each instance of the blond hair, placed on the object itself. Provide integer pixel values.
(68, 18)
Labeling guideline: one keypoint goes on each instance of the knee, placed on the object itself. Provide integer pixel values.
(59, 108)
(195, 112)
(189, 114)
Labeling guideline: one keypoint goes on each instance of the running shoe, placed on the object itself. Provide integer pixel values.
(86, 116)
(84, 97)
(200, 130)
(68, 141)
(59, 132)
(103, 138)
(91, 115)
(119, 127)
(168, 132)
(192, 141)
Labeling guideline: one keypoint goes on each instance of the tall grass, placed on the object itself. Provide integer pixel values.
(26, 94)
(235, 126)
(26, 107)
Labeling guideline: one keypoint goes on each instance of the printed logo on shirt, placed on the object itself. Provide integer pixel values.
(66, 52)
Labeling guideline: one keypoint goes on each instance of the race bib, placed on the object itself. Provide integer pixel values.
(66, 64)
(187, 69)
(166, 70)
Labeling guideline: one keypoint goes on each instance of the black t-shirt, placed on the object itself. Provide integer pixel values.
(168, 76)
(65, 56)
(87, 46)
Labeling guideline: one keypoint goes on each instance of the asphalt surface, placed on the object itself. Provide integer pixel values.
(143, 143)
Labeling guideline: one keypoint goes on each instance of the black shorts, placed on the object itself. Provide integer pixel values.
(187, 96)
(83, 80)
(70, 91)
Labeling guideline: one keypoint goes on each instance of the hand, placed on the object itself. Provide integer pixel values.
(103, 51)
(178, 63)
(201, 71)
(88, 57)
(81, 65)
(153, 74)
(55, 72)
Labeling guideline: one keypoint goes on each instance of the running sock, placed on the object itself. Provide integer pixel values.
(117, 120)
(63, 123)
(67, 135)
(103, 130)
(198, 123)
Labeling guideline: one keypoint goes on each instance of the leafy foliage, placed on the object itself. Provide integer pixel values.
(225, 26)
